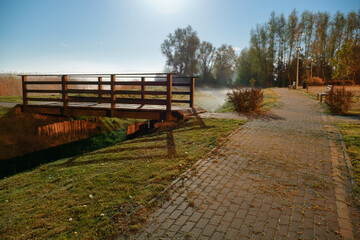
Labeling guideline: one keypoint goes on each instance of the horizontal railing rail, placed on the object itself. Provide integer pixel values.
(112, 95)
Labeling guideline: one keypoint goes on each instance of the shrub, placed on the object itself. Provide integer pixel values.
(245, 99)
(315, 81)
(339, 100)
(340, 83)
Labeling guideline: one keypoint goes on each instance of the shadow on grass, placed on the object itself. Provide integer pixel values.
(149, 137)
(73, 150)
(29, 161)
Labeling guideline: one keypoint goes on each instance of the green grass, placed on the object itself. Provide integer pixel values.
(13, 99)
(270, 100)
(351, 132)
(4, 110)
(103, 193)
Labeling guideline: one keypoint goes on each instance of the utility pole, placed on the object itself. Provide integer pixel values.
(297, 69)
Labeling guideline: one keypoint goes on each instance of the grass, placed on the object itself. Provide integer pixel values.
(13, 99)
(351, 132)
(270, 100)
(354, 107)
(3, 111)
(103, 193)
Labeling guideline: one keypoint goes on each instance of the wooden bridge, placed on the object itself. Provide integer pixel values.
(142, 96)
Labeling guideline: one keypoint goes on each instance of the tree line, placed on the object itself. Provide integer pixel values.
(187, 55)
(333, 42)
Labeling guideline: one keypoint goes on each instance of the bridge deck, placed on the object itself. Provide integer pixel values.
(152, 112)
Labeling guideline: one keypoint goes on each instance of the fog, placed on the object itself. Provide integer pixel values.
(212, 98)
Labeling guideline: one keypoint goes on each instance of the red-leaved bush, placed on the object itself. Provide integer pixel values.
(315, 81)
(339, 100)
(245, 99)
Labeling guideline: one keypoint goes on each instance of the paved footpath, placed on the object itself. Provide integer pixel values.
(277, 178)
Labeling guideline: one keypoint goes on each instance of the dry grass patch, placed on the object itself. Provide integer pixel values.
(351, 133)
(354, 107)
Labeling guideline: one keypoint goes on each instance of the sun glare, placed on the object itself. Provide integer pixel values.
(167, 6)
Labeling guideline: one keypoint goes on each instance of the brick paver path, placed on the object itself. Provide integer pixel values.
(276, 178)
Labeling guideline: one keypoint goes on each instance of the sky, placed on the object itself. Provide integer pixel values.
(117, 36)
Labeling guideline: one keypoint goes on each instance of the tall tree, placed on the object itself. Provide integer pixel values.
(346, 63)
(206, 58)
(224, 64)
(321, 55)
(281, 51)
(271, 52)
(243, 67)
(293, 36)
(308, 22)
(180, 50)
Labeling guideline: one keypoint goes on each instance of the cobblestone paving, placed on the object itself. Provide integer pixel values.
(278, 178)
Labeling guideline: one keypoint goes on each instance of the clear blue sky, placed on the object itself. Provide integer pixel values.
(54, 36)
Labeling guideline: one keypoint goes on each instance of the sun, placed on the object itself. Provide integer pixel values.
(167, 6)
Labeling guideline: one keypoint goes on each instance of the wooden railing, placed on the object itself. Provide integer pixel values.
(113, 95)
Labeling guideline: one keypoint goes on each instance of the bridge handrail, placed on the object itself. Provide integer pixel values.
(112, 97)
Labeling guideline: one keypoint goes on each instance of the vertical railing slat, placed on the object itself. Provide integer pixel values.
(64, 93)
(24, 90)
(142, 90)
(168, 96)
(100, 87)
(113, 96)
(192, 92)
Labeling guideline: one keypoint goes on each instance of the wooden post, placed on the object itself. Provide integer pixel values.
(113, 96)
(192, 88)
(168, 96)
(65, 96)
(297, 69)
(142, 91)
(24, 91)
(100, 88)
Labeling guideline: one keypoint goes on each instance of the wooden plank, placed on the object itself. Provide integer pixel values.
(137, 114)
(24, 90)
(181, 101)
(45, 99)
(192, 91)
(44, 91)
(88, 91)
(135, 92)
(113, 95)
(88, 83)
(47, 110)
(88, 112)
(140, 101)
(138, 83)
(44, 82)
(168, 96)
(181, 84)
(181, 93)
(90, 99)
